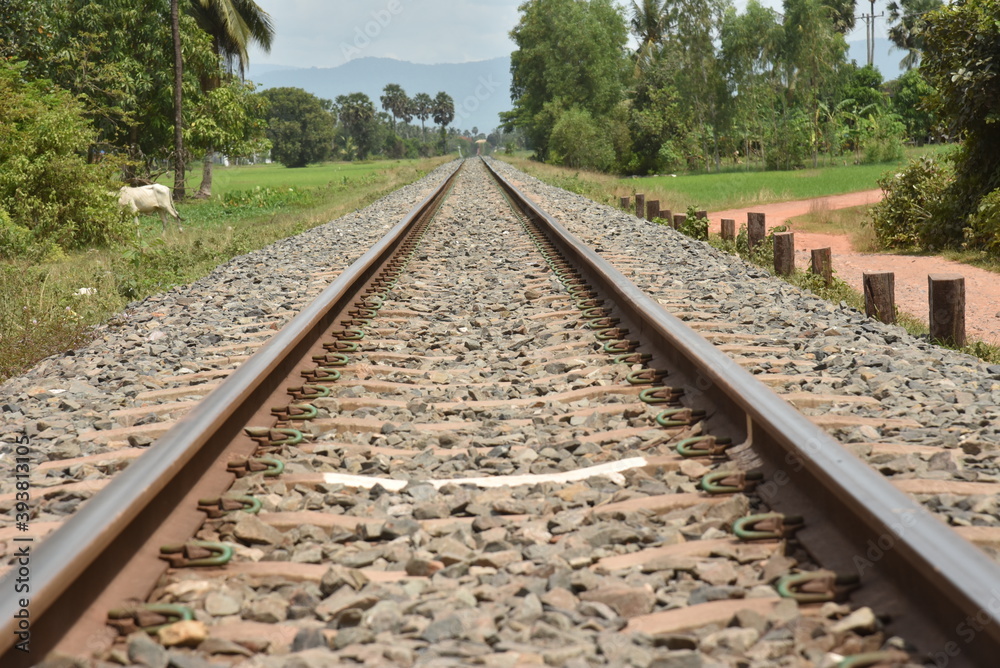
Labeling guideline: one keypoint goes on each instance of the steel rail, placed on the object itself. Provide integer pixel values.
(107, 552)
(932, 586)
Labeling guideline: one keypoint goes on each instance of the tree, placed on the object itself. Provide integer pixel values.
(910, 95)
(813, 53)
(907, 15)
(423, 107)
(649, 23)
(232, 118)
(179, 171)
(233, 25)
(52, 197)
(752, 45)
(961, 46)
(443, 110)
(300, 126)
(841, 14)
(570, 53)
(395, 101)
(577, 141)
(357, 115)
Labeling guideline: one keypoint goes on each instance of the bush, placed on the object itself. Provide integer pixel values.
(578, 141)
(695, 226)
(916, 206)
(983, 232)
(883, 139)
(46, 186)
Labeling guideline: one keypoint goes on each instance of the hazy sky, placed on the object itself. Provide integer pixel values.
(321, 33)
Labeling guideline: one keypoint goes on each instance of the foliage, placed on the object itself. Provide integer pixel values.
(983, 231)
(300, 126)
(357, 116)
(570, 55)
(231, 118)
(910, 95)
(695, 226)
(916, 200)
(961, 45)
(43, 310)
(907, 15)
(395, 101)
(882, 138)
(578, 141)
(234, 25)
(47, 189)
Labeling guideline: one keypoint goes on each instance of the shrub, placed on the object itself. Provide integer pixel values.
(46, 185)
(883, 139)
(916, 206)
(983, 232)
(695, 226)
(578, 141)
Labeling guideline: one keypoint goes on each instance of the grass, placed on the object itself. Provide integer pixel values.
(51, 307)
(718, 191)
(848, 222)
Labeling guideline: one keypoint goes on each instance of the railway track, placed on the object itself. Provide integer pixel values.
(481, 462)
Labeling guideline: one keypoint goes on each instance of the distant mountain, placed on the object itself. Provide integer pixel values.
(481, 90)
(887, 56)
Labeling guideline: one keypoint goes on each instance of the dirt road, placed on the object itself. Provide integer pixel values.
(982, 287)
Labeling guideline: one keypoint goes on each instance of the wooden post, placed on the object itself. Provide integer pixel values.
(880, 295)
(729, 229)
(640, 205)
(947, 308)
(679, 219)
(626, 203)
(701, 214)
(652, 209)
(667, 215)
(784, 253)
(822, 264)
(756, 229)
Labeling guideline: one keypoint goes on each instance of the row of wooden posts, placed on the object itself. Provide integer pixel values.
(946, 292)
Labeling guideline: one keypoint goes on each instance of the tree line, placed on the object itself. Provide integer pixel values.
(94, 93)
(304, 128)
(704, 86)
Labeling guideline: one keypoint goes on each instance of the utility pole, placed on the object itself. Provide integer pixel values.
(869, 20)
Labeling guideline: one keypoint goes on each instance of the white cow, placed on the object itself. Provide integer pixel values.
(155, 198)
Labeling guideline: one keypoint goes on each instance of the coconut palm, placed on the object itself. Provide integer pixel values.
(908, 15)
(234, 25)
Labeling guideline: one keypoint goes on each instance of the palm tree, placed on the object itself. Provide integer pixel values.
(908, 15)
(395, 101)
(650, 22)
(422, 109)
(175, 32)
(234, 25)
(443, 110)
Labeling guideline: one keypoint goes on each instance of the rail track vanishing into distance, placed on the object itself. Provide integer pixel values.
(483, 444)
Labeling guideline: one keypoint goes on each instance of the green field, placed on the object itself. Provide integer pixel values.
(228, 179)
(718, 191)
(41, 312)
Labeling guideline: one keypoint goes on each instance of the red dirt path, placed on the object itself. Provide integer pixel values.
(982, 288)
